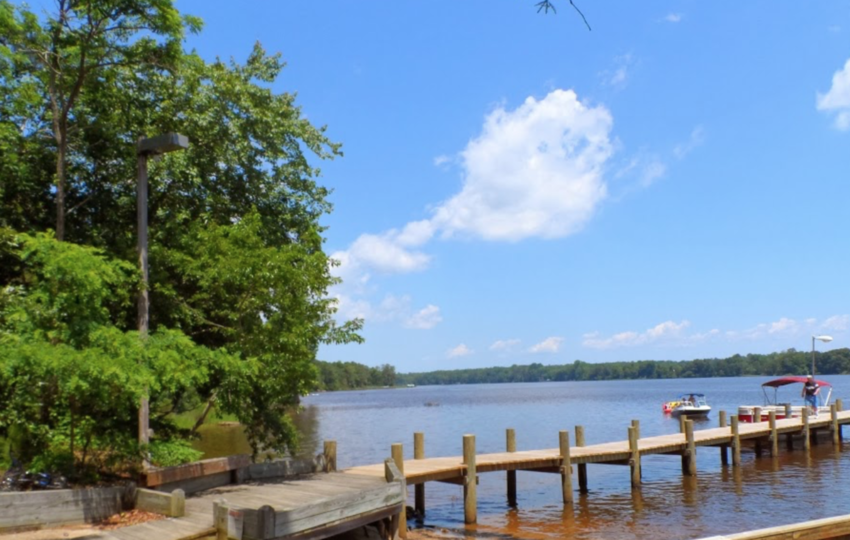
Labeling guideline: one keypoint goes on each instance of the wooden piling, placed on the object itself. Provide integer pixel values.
(807, 441)
(582, 467)
(510, 446)
(774, 436)
(397, 453)
(329, 452)
(470, 491)
(756, 415)
(634, 460)
(419, 489)
(724, 454)
(682, 419)
(788, 413)
(566, 466)
(840, 406)
(736, 443)
(636, 425)
(836, 433)
(692, 448)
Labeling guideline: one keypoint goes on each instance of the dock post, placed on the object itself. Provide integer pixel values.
(756, 415)
(419, 489)
(634, 460)
(682, 419)
(807, 441)
(788, 412)
(510, 446)
(228, 522)
(839, 405)
(582, 467)
(689, 460)
(774, 436)
(736, 443)
(397, 454)
(470, 492)
(724, 455)
(636, 425)
(330, 456)
(566, 466)
(836, 433)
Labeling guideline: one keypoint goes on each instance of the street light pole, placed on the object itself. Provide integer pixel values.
(145, 148)
(825, 339)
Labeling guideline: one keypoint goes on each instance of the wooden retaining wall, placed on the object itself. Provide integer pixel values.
(37, 509)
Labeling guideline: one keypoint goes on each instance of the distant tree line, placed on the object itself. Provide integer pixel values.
(790, 362)
(351, 376)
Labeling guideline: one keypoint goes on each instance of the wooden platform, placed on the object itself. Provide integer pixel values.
(312, 506)
(418, 471)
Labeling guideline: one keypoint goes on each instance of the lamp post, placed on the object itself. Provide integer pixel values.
(825, 339)
(146, 148)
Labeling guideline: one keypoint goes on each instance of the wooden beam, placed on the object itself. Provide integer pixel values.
(807, 440)
(510, 446)
(470, 491)
(329, 452)
(724, 454)
(774, 436)
(419, 489)
(397, 453)
(634, 462)
(566, 466)
(582, 467)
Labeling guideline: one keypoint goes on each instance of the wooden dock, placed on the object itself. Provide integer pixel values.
(760, 436)
(318, 505)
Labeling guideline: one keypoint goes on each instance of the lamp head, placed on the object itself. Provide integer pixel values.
(825, 339)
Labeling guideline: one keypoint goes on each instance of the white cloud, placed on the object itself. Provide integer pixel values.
(664, 333)
(673, 17)
(504, 344)
(837, 99)
(548, 345)
(784, 330)
(620, 75)
(441, 160)
(460, 350)
(783, 326)
(837, 323)
(388, 253)
(425, 319)
(651, 172)
(696, 139)
(391, 309)
(533, 172)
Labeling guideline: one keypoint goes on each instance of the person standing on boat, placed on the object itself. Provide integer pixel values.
(810, 393)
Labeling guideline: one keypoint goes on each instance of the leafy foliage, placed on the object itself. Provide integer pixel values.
(790, 362)
(70, 381)
(239, 278)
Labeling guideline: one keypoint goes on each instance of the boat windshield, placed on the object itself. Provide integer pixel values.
(695, 399)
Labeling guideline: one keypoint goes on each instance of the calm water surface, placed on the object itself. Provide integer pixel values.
(763, 492)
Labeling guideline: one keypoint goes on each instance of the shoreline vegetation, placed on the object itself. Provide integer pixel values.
(354, 376)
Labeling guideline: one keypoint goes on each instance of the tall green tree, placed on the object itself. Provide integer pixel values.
(58, 56)
(236, 243)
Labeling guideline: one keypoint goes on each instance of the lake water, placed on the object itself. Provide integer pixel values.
(763, 492)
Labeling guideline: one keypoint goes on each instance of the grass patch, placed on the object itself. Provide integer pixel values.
(186, 420)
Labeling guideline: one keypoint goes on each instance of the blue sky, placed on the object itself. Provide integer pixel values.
(515, 188)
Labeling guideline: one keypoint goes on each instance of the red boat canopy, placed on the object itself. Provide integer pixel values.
(782, 381)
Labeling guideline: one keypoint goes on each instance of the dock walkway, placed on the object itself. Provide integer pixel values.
(319, 505)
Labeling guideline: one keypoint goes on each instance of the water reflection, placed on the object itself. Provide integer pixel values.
(762, 492)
